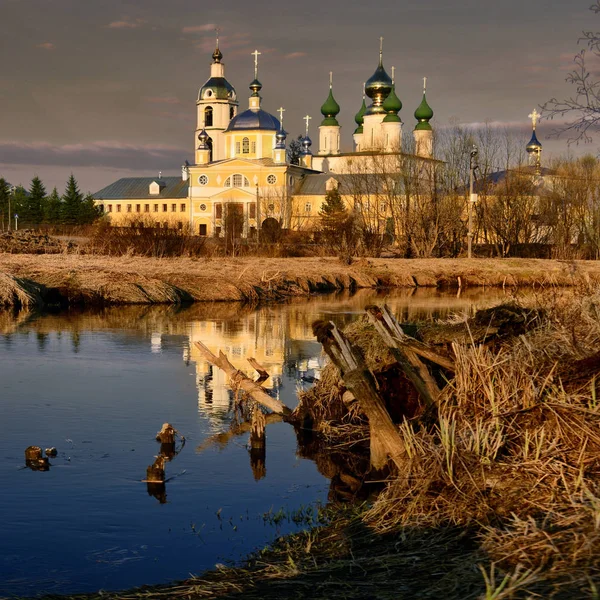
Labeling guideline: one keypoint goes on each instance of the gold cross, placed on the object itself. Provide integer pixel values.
(307, 119)
(256, 54)
(424, 84)
(393, 75)
(534, 116)
(217, 32)
(281, 111)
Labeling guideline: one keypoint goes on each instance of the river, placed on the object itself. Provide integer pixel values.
(98, 385)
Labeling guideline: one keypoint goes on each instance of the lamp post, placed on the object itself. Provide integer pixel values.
(472, 197)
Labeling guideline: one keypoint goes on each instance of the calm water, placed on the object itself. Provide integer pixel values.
(99, 385)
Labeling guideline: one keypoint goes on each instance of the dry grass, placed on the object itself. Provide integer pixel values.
(133, 279)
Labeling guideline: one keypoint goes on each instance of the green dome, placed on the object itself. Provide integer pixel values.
(359, 118)
(330, 110)
(423, 114)
(392, 105)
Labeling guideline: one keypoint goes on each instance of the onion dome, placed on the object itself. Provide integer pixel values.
(280, 138)
(423, 114)
(378, 87)
(217, 55)
(392, 107)
(534, 144)
(359, 118)
(255, 86)
(203, 138)
(306, 144)
(254, 119)
(330, 110)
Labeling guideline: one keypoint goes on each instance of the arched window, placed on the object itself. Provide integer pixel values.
(245, 146)
(208, 116)
(237, 180)
(209, 143)
(231, 112)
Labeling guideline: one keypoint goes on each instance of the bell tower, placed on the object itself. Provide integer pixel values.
(216, 106)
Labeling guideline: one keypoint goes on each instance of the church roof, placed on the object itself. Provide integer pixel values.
(254, 119)
(138, 188)
(220, 87)
(316, 185)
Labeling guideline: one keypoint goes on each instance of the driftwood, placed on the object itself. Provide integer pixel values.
(403, 351)
(237, 379)
(258, 444)
(34, 459)
(385, 438)
(263, 375)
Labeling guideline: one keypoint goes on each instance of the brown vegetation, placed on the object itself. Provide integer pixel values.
(89, 280)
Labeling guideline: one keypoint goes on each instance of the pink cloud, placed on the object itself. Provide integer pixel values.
(46, 46)
(295, 55)
(126, 23)
(199, 28)
(162, 100)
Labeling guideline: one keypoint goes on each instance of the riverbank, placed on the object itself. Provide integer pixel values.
(68, 279)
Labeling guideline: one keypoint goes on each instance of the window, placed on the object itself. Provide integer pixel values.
(219, 211)
(245, 146)
(165, 225)
(179, 224)
(382, 207)
(129, 208)
(252, 233)
(101, 207)
(237, 147)
(146, 208)
(208, 93)
(173, 207)
(253, 147)
(237, 180)
(231, 112)
(203, 207)
(271, 179)
(109, 208)
(182, 207)
(164, 208)
(138, 208)
(308, 207)
(203, 179)
(252, 211)
(156, 208)
(202, 230)
(208, 116)
(291, 180)
(118, 208)
(217, 231)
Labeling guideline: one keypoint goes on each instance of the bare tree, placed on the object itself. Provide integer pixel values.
(583, 107)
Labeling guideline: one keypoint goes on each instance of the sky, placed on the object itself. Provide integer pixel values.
(107, 89)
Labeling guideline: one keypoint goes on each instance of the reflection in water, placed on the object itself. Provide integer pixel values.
(155, 473)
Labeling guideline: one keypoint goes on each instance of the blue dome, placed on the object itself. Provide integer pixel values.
(254, 119)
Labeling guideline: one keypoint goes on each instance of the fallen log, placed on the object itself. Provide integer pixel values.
(392, 335)
(238, 380)
(385, 438)
(263, 374)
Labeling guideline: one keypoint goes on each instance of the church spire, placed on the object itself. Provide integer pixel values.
(423, 114)
(217, 54)
(534, 147)
(255, 85)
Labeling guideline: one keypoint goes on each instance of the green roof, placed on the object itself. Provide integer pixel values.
(360, 115)
(423, 112)
(392, 103)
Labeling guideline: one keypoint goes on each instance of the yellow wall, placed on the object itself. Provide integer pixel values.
(125, 212)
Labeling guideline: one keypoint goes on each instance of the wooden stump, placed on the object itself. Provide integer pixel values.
(167, 434)
(155, 473)
(158, 490)
(258, 443)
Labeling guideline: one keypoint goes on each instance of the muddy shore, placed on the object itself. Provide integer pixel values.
(66, 279)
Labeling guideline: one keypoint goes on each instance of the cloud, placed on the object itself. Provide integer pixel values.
(162, 100)
(199, 28)
(295, 55)
(126, 23)
(94, 154)
(226, 42)
(46, 46)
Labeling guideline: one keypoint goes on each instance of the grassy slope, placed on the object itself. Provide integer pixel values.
(135, 280)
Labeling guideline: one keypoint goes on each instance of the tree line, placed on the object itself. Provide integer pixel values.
(36, 207)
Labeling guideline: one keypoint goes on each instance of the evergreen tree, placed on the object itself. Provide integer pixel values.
(336, 224)
(32, 209)
(294, 151)
(52, 208)
(72, 202)
(89, 211)
(4, 201)
(18, 203)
